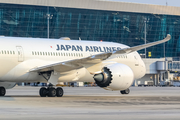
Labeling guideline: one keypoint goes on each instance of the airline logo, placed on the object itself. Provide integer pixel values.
(87, 48)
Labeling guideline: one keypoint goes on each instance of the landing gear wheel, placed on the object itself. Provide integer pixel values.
(59, 92)
(43, 92)
(2, 91)
(127, 91)
(52, 92)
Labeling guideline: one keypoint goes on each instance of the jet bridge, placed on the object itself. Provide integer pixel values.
(158, 70)
(171, 64)
(174, 66)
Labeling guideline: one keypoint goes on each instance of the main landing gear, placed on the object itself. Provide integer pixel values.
(2, 91)
(127, 91)
(51, 92)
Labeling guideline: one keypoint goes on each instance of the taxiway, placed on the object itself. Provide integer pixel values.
(91, 103)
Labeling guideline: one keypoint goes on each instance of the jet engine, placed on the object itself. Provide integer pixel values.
(115, 77)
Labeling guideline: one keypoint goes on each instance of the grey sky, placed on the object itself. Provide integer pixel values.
(157, 2)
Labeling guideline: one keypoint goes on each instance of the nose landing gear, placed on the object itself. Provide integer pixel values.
(51, 92)
(127, 91)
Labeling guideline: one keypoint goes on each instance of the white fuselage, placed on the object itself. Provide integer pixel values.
(19, 55)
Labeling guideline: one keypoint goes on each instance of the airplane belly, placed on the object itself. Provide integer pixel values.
(19, 72)
(6, 72)
(78, 75)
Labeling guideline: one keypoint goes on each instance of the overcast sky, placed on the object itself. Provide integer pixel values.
(157, 2)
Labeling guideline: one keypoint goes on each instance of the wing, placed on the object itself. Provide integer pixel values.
(94, 59)
(139, 47)
(72, 64)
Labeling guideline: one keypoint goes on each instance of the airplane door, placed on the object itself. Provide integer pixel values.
(20, 53)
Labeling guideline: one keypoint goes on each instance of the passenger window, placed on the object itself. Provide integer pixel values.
(7, 52)
(66, 54)
(43, 53)
(40, 53)
(51, 54)
(71, 54)
(37, 53)
(59, 54)
(54, 54)
(13, 52)
(2, 52)
(10, 52)
(32, 53)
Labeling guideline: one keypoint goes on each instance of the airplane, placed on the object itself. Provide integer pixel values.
(113, 66)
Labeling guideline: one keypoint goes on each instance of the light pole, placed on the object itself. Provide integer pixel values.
(164, 51)
(162, 20)
(49, 16)
(145, 21)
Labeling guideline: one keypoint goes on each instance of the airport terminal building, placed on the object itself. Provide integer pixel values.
(94, 20)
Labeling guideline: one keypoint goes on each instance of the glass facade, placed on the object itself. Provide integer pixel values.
(116, 26)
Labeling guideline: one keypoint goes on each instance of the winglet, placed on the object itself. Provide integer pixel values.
(168, 36)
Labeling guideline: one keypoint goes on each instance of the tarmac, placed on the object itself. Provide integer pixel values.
(92, 103)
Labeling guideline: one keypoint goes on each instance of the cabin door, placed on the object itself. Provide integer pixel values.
(20, 53)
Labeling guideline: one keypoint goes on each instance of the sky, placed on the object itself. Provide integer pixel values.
(156, 2)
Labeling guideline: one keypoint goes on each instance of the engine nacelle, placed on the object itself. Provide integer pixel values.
(115, 77)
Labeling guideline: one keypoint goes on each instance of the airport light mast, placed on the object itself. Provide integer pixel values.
(145, 21)
(49, 16)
